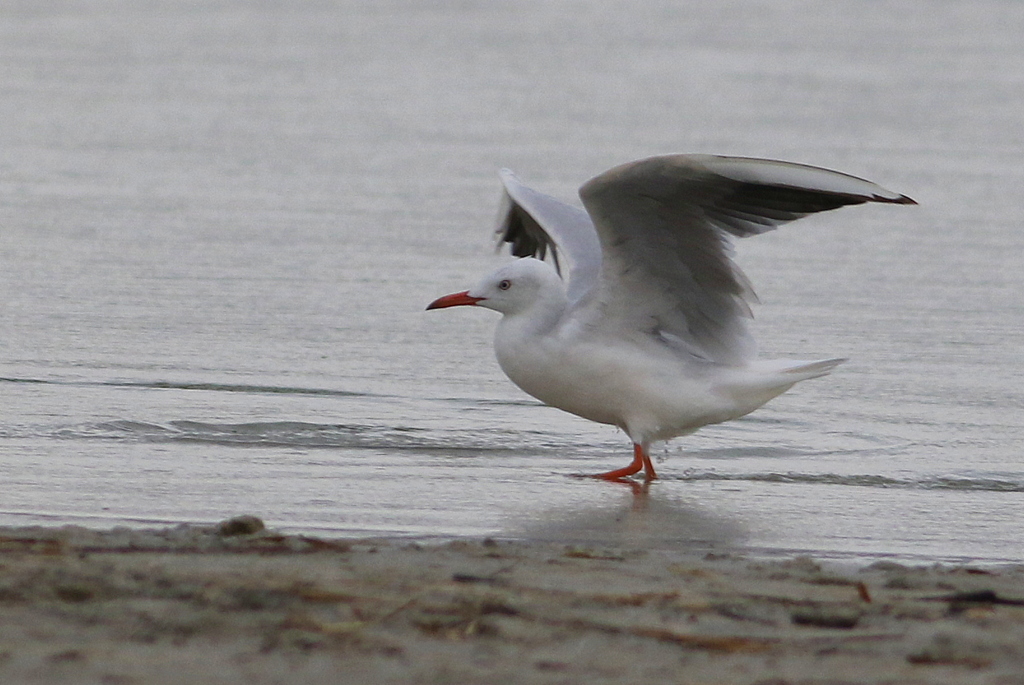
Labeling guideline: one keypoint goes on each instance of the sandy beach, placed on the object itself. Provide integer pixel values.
(237, 603)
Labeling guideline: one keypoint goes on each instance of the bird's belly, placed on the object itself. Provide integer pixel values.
(650, 398)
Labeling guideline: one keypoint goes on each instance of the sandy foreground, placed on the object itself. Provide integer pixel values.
(235, 603)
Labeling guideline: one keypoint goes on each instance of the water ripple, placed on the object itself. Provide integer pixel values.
(186, 385)
(865, 480)
(295, 434)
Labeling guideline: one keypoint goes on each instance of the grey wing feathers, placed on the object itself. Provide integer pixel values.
(538, 225)
(523, 233)
(665, 223)
(757, 195)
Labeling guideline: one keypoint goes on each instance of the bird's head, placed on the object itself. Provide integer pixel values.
(513, 288)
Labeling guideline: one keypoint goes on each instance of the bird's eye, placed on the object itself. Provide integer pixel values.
(504, 285)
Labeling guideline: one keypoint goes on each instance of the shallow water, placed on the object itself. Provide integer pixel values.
(219, 228)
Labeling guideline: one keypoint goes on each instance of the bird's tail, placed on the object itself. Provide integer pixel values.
(764, 379)
(785, 373)
(804, 370)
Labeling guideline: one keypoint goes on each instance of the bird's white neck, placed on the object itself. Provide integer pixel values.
(536, 319)
(526, 343)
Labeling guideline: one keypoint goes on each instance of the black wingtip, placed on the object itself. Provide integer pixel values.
(901, 200)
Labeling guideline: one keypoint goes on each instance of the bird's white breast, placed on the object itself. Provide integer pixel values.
(649, 393)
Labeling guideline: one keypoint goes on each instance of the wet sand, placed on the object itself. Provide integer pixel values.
(236, 603)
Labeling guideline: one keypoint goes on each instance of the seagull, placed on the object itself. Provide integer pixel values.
(640, 318)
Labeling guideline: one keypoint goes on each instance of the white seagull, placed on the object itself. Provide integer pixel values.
(641, 321)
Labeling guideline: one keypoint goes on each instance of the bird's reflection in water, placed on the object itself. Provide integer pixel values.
(640, 516)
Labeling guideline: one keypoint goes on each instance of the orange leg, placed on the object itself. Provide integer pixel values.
(649, 473)
(640, 461)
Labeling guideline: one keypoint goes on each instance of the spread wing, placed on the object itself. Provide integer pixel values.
(665, 226)
(536, 225)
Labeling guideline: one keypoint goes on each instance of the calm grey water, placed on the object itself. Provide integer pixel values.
(220, 223)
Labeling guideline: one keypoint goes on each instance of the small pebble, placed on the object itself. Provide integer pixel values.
(841, 617)
(240, 525)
